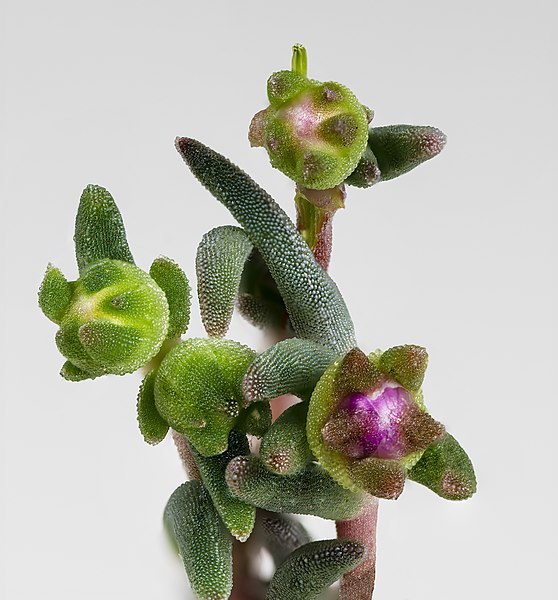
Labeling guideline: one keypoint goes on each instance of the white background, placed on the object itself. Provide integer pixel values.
(457, 256)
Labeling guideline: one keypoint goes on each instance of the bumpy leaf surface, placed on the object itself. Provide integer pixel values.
(291, 366)
(283, 534)
(312, 568)
(400, 148)
(99, 231)
(446, 469)
(220, 260)
(198, 390)
(284, 448)
(315, 305)
(203, 541)
(55, 294)
(173, 281)
(152, 426)
(238, 516)
(309, 492)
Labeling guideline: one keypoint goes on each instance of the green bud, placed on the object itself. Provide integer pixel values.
(400, 148)
(446, 469)
(173, 281)
(203, 541)
(115, 323)
(152, 426)
(314, 132)
(55, 294)
(238, 516)
(198, 390)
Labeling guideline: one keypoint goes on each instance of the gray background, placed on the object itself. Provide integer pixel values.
(456, 256)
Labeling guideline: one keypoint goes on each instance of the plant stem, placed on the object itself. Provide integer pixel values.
(358, 584)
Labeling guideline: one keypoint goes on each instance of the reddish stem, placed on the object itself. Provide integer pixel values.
(358, 584)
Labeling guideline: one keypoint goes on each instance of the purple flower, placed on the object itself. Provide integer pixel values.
(382, 423)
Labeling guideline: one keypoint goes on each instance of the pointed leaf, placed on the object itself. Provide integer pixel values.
(284, 448)
(312, 568)
(99, 229)
(316, 308)
(173, 281)
(220, 261)
(309, 492)
(203, 541)
(400, 148)
(291, 366)
(238, 516)
(446, 469)
(406, 364)
(152, 426)
(55, 294)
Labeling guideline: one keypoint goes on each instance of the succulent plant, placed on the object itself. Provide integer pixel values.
(358, 427)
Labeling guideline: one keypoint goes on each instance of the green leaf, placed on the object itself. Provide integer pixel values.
(292, 366)
(446, 469)
(406, 364)
(72, 373)
(312, 568)
(284, 448)
(203, 541)
(99, 231)
(309, 492)
(220, 261)
(401, 148)
(367, 172)
(315, 305)
(255, 419)
(55, 294)
(198, 390)
(283, 534)
(173, 281)
(152, 426)
(238, 516)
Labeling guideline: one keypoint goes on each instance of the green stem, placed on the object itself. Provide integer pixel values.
(300, 60)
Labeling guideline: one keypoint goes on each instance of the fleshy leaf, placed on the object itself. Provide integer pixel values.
(400, 148)
(55, 294)
(309, 492)
(255, 419)
(284, 449)
(152, 426)
(292, 366)
(72, 373)
(446, 469)
(367, 172)
(406, 364)
(204, 543)
(238, 516)
(173, 281)
(99, 231)
(220, 260)
(259, 300)
(379, 477)
(283, 534)
(312, 568)
(316, 308)
(198, 390)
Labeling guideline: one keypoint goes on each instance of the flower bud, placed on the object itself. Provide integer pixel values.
(314, 132)
(114, 321)
(365, 426)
